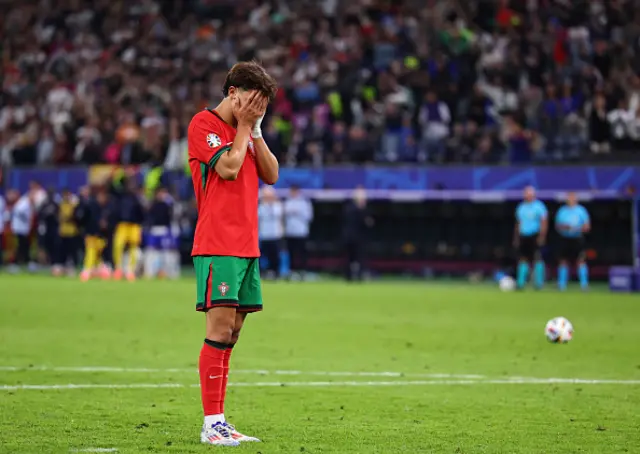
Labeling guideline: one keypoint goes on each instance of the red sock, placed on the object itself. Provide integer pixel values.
(211, 376)
(225, 373)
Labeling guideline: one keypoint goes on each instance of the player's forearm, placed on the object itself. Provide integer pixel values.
(544, 226)
(230, 163)
(268, 167)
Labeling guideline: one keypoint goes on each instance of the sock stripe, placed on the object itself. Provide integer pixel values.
(216, 344)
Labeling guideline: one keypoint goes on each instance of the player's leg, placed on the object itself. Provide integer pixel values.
(171, 256)
(75, 246)
(563, 263)
(563, 274)
(90, 257)
(581, 265)
(119, 244)
(525, 253)
(134, 239)
(151, 261)
(250, 300)
(539, 269)
(218, 281)
(63, 255)
(151, 256)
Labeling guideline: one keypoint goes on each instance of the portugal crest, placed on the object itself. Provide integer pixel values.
(213, 140)
(223, 288)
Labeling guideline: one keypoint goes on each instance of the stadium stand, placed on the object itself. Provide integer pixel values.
(505, 81)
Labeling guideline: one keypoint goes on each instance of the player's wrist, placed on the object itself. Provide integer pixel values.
(256, 132)
(244, 126)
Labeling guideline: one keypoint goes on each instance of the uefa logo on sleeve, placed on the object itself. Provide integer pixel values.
(213, 140)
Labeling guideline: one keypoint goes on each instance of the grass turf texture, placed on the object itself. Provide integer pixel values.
(417, 329)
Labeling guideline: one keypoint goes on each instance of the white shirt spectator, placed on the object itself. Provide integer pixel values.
(60, 98)
(633, 126)
(176, 155)
(3, 214)
(619, 120)
(435, 125)
(270, 220)
(22, 216)
(298, 213)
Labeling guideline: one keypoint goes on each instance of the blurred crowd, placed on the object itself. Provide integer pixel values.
(121, 230)
(115, 230)
(479, 81)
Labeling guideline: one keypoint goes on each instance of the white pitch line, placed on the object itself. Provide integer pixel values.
(520, 381)
(95, 450)
(107, 369)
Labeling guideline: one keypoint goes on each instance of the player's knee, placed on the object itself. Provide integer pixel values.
(221, 325)
(220, 332)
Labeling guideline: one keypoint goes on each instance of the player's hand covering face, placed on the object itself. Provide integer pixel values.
(248, 107)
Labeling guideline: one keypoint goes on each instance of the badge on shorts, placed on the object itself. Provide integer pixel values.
(213, 140)
(223, 288)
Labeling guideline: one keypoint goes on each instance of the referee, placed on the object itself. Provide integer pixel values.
(572, 222)
(529, 236)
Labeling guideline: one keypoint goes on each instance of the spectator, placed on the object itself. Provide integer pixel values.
(434, 121)
(599, 126)
(270, 219)
(359, 146)
(520, 146)
(79, 86)
(619, 120)
(298, 214)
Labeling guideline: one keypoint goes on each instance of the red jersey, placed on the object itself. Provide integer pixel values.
(227, 210)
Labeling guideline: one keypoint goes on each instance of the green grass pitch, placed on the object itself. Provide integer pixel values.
(327, 368)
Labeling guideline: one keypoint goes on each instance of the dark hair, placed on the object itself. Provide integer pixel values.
(250, 75)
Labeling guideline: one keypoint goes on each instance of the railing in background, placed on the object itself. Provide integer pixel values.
(616, 178)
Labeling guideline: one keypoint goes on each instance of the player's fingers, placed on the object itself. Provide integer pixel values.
(235, 102)
(252, 97)
(264, 104)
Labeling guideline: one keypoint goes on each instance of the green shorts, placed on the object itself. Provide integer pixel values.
(224, 281)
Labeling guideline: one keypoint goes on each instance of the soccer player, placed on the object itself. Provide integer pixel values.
(95, 221)
(572, 222)
(47, 218)
(160, 240)
(3, 218)
(529, 236)
(227, 157)
(69, 234)
(128, 233)
(22, 214)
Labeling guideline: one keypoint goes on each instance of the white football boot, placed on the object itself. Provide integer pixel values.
(218, 434)
(237, 436)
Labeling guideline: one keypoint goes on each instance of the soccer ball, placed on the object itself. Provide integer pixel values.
(559, 330)
(507, 284)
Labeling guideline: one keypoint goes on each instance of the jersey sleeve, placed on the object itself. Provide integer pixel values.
(543, 210)
(206, 142)
(585, 216)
